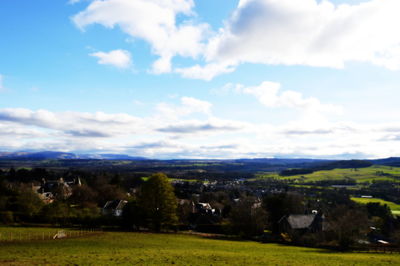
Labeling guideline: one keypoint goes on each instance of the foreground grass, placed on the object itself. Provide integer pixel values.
(161, 249)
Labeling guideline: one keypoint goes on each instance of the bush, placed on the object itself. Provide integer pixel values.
(6, 217)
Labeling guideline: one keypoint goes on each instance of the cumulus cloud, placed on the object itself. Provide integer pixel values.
(200, 126)
(189, 129)
(303, 32)
(269, 94)
(153, 21)
(309, 32)
(207, 72)
(188, 106)
(88, 133)
(74, 123)
(19, 132)
(116, 58)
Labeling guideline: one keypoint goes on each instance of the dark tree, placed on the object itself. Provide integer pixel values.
(133, 216)
(25, 203)
(248, 218)
(108, 192)
(382, 217)
(279, 205)
(84, 196)
(347, 225)
(158, 201)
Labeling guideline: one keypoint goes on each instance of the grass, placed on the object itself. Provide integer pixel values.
(361, 175)
(163, 249)
(28, 233)
(395, 208)
(31, 230)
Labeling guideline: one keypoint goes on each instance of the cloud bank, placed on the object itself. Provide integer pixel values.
(303, 32)
(190, 129)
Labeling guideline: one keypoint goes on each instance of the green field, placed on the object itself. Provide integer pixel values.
(37, 233)
(30, 230)
(361, 175)
(395, 208)
(167, 249)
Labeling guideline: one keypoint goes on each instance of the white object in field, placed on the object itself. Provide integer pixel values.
(60, 234)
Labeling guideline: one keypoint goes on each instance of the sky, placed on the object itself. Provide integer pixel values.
(201, 78)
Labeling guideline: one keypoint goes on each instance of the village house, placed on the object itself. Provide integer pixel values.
(302, 223)
(114, 208)
(50, 189)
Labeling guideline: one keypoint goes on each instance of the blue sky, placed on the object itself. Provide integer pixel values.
(201, 79)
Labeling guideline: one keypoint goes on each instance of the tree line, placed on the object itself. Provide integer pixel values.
(154, 204)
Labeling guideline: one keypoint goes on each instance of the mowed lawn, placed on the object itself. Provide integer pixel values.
(112, 248)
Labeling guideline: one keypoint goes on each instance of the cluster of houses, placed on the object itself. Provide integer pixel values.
(48, 190)
(201, 212)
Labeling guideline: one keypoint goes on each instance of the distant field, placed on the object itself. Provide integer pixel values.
(395, 208)
(361, 175)
(145, 178)
(164, 249)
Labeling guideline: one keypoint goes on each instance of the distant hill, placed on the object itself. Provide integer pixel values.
(327, 165)
(109, 156)
(392, 161)
(44, 155)
(292, 165)
(54, 155)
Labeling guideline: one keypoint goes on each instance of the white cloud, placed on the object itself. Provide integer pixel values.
(97, 124)
(309, 32)
(116, 58)
(207, 72)
(268, 93)
(286, 32)
(207, 137)
(153, 21)
(196, 105)
(211, 125)
(188, 106)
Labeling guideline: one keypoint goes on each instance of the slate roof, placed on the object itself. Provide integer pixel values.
(301, 221)
(115, 204)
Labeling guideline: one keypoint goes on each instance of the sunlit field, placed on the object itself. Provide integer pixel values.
(360, 175)
(166, 249)
(395, 208)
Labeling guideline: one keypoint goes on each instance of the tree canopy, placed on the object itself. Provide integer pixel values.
(158, 201)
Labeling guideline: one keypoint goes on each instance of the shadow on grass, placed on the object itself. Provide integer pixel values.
(213, 236)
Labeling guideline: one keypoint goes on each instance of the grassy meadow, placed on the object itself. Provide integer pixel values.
(112, 248)
(361, 175)
(395, 208)
(37, 233)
